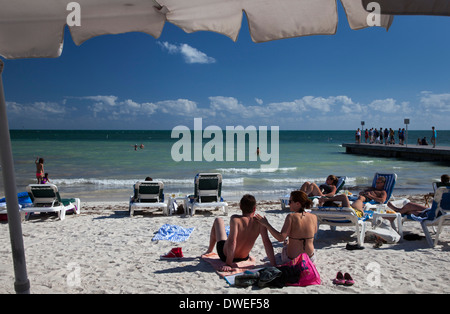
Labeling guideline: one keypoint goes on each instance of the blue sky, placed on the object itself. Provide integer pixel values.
(134, 81)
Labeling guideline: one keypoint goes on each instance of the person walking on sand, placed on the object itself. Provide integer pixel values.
(39, 169)
(244, 230)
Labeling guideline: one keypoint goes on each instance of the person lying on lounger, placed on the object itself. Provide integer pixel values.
(378, 194)
(244, 230)
(327, 189)
(408, 208)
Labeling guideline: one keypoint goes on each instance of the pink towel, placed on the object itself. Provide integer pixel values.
(215, 261)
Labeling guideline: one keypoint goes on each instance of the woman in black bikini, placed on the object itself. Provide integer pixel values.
(299, 226)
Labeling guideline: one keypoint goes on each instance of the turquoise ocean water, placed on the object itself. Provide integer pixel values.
(103, 165)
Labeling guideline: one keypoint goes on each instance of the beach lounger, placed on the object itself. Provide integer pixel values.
(23, 199)
(46, 199)
(207, 193)
(149, 196)
(437, 216)
(341, 217)
(346, 217)
(285, 199)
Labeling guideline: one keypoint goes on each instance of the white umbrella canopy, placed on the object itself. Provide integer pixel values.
(30, 29)
(35, 29)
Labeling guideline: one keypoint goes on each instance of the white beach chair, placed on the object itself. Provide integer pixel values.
(341, 217)
(285, 199)
(46, 199)
(149, 196)
(437, 216)
(207, 193)
(435, 186)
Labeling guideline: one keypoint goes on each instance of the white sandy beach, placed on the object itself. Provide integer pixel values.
(103, 250)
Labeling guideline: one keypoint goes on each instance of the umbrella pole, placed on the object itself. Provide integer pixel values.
(22, 284)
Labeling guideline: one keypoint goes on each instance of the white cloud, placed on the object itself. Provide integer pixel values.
(37, 109)
(115, 109)
(189, 54)
(178, 107)
(172, 49)
(223, 103)
(107, 100)
(321, 105)
(435, 102)
(353, 108)
(388, 105)
(308, 112)
(318, 103)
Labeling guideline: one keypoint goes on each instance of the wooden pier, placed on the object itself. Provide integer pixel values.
(412, 152)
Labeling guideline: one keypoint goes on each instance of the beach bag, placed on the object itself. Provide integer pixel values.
(383, 229)
(308, 272)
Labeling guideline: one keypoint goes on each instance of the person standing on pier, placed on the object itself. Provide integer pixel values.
(433, 136)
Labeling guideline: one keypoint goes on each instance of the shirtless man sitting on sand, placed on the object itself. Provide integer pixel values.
(244, 230)
(377, 194)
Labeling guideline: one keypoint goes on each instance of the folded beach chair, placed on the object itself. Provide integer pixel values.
(285, 199)
(46, 199)
(207, 193)
(148, 195)
(437, 216)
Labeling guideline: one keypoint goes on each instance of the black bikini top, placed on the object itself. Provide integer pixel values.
(302, 239)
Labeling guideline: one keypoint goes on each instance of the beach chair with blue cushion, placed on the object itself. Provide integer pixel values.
(46, 199)
(391, 179)
(347, 217)
(23, 199)
(436, 216)
(148, 196)
(285, 199)
(207, 193)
